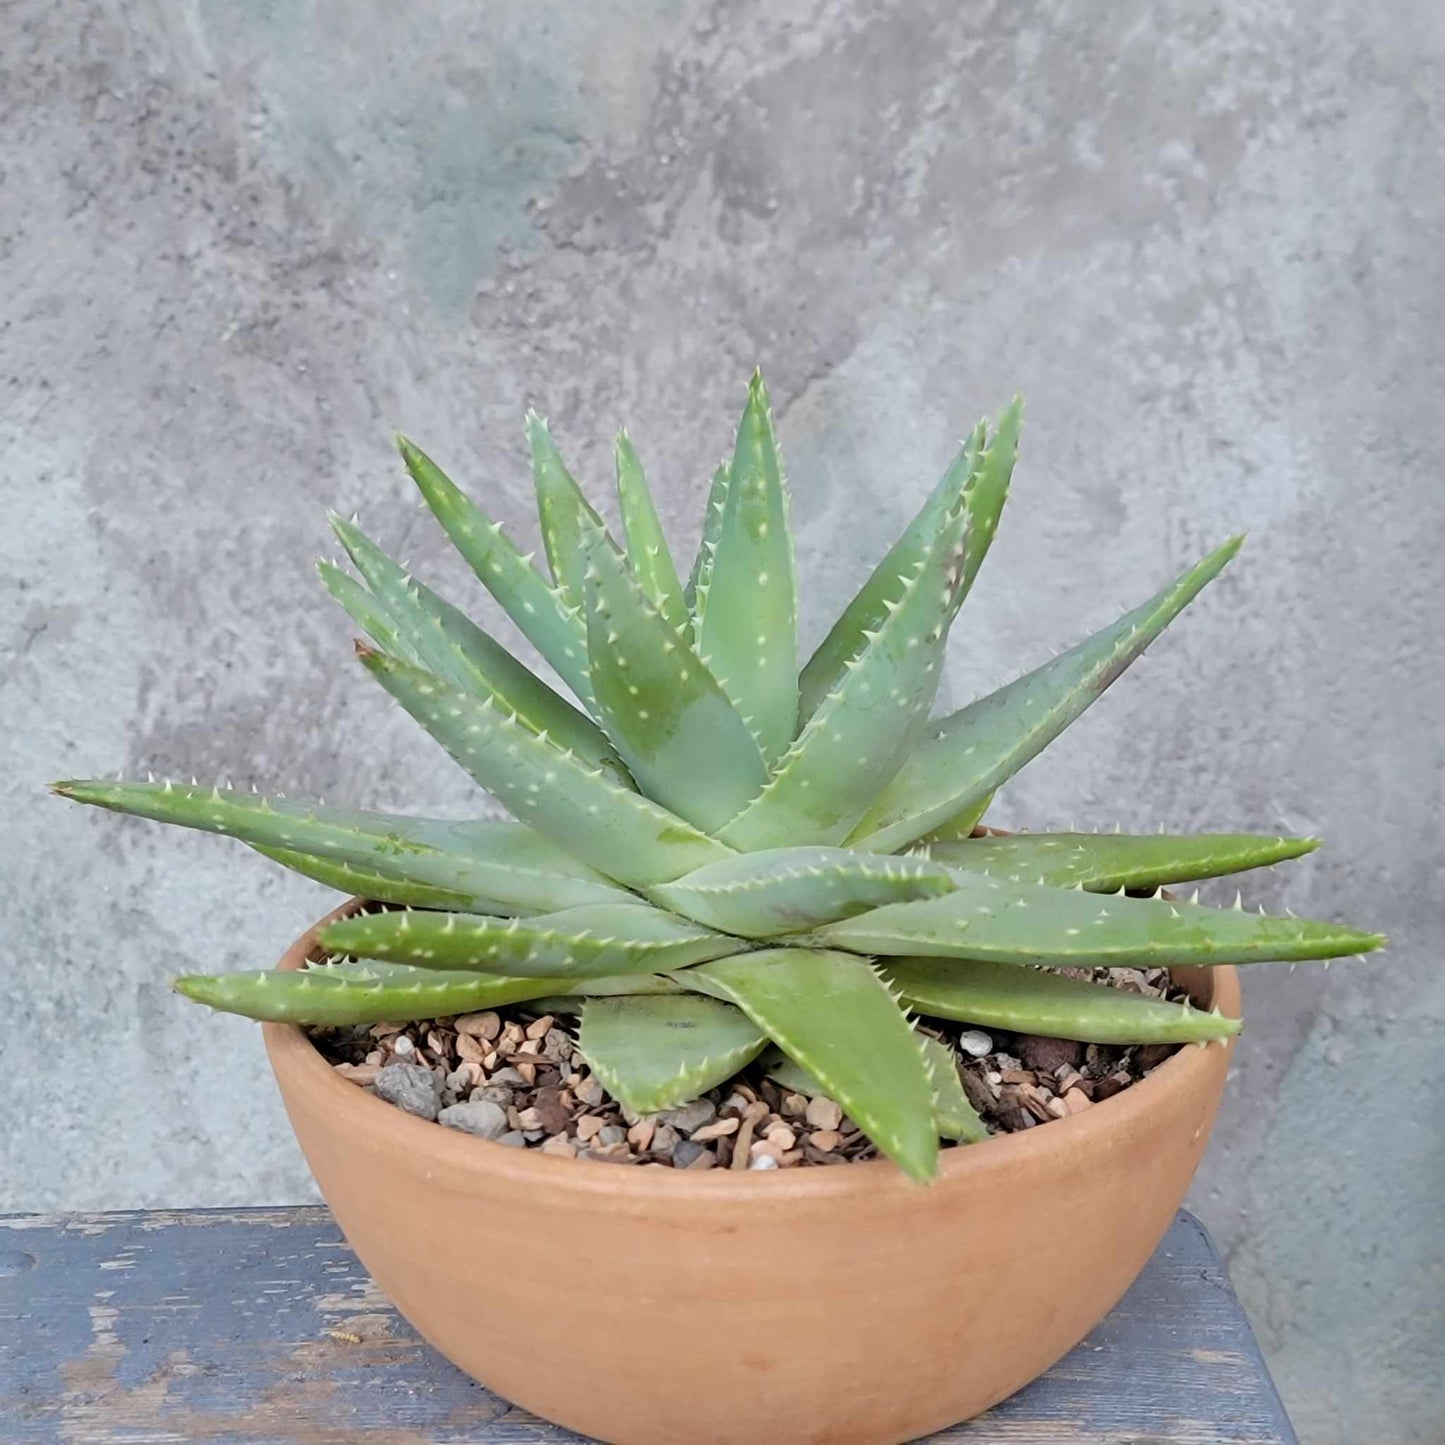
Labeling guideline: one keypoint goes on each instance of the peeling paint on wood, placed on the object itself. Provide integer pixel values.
(261, 1326)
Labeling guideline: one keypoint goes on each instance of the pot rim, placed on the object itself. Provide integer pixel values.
(1016, 1155)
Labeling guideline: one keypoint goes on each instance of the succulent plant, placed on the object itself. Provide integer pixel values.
(714, 852)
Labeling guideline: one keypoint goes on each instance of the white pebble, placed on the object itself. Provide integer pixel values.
(975, 1043)
(403, 1046)
(764, 1161)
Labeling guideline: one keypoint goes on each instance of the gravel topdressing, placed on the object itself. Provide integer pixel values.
(515, 1077)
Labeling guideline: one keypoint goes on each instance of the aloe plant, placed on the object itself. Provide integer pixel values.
(718, 852)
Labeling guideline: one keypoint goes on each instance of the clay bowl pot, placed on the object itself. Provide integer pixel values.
(642, 1305)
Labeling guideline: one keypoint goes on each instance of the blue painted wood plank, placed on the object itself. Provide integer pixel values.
(261, 1326)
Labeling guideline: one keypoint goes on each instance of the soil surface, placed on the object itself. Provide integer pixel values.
(517, 1077)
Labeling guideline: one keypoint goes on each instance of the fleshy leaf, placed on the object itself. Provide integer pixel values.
(656, 1053)
(369, 883)
(833, 1016)
(566, 515)
(957, 1118)
(593, 941)
(316, 996)
(782, 890)
(1107, 862)
(747, 633)
(695, 593)
(978, 481)
(968, 755)
(1035, 1001)
(855, 741)
(539, 609)
(1020, 923)
(684, 740)
(450, 644)
(963, 822)
(498, 867)
(869, 608)
(367, 611)
(647, 549)
(580, 807)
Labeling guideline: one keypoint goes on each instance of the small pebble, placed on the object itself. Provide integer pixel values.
(825, 1140)
(718, 1129)
(486, 1120)
(560, 1146)
(664, 1139)
(823, 1113)
(611, 1134)
(691, 1116)
(782, 1138)
(590, 1092)
(686, 1151)
(1045, 1055)
(480, 1026)
(763, 1161)
(514, 1140)
(410, 1087)
(975, 1043)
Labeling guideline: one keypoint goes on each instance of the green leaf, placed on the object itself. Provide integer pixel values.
(497, 867)
(957, 1118)
(370, 882)
(854, 742)
(869, 608)
(1107, 862)
(647, 549)
(782, 890)
(566, 515)
(978, 481)
(962, 824)
(1034, 1001)
(576, 991)
(1020, 923)
(747, 632)
(657, 1053)
(539, 610)
(593, 941)
(685, 741)
(580, 807)
(318, 998)
(451, 645)
(786, 1074)
(833, 1016)
(986, 491)
(695, 593)
(968, 755)
(367, 611)
(622, 985)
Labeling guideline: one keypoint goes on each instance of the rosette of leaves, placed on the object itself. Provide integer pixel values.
(715, 851)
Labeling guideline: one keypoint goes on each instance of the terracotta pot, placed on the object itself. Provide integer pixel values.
(841, 1305)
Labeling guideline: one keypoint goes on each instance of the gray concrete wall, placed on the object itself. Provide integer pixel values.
(240, 242)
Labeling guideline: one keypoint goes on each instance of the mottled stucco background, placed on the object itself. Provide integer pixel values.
(239, 243)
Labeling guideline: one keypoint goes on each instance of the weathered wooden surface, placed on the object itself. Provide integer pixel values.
(261, 1326)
